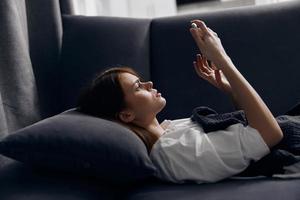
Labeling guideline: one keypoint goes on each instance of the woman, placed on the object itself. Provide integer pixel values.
(179, 149)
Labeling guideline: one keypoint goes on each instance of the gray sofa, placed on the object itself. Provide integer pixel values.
(263, 42)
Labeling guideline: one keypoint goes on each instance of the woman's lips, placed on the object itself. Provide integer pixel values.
(156, 93)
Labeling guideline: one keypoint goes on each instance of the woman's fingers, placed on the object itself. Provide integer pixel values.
(204, 75)
(200, 32)
(199, 58)
(197, 32)
(202, 60)
(199, 71)
(212, 32)
(213, 66)
(205, 62)
(200, 63)
(201, 25)
(218, 76)
(198, 36)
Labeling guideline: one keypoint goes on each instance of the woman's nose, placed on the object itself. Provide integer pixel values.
(149, 85)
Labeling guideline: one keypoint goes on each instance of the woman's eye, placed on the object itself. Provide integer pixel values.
(138, 85)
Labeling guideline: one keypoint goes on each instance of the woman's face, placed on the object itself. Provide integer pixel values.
(140, 97)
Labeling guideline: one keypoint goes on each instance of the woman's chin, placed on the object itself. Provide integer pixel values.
(163, 102)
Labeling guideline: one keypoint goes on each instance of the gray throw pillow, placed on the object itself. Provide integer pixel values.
(81, 144)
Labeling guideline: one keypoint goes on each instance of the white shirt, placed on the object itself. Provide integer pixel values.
(186, 153)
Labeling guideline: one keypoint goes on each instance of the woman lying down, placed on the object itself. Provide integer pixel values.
(180, 149)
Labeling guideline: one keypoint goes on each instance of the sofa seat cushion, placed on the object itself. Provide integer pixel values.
(21, 182)
(262, 188)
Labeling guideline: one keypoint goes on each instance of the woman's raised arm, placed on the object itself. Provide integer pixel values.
(256, 111)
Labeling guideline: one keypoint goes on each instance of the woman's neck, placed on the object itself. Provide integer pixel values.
(148, 132)
(152, 126)
(155, 128)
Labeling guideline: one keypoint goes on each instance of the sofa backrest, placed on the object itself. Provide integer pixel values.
(92, 44)
(263, 42)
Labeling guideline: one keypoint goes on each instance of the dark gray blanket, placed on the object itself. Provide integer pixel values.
(283, 154)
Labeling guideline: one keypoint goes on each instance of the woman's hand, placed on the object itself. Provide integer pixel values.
(208, 42)
(257, 113)
(211, 74)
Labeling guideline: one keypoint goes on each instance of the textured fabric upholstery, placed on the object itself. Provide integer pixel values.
(81, 145)
(19, 182)
(263, 42)
(226, 190)
(67, 7)
(91, 44)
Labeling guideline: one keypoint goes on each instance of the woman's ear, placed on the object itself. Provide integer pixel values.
(126, 116)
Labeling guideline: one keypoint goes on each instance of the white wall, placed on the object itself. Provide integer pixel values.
(126, 8)
(155, 8)
(259, 2)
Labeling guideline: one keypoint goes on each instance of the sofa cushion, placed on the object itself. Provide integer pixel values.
(230, 189)
(19, 181)
(81, 144)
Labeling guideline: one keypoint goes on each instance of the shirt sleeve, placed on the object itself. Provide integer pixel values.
(195, 156)
(253, 145)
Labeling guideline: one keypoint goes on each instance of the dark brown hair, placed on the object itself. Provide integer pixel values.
(104, 98)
